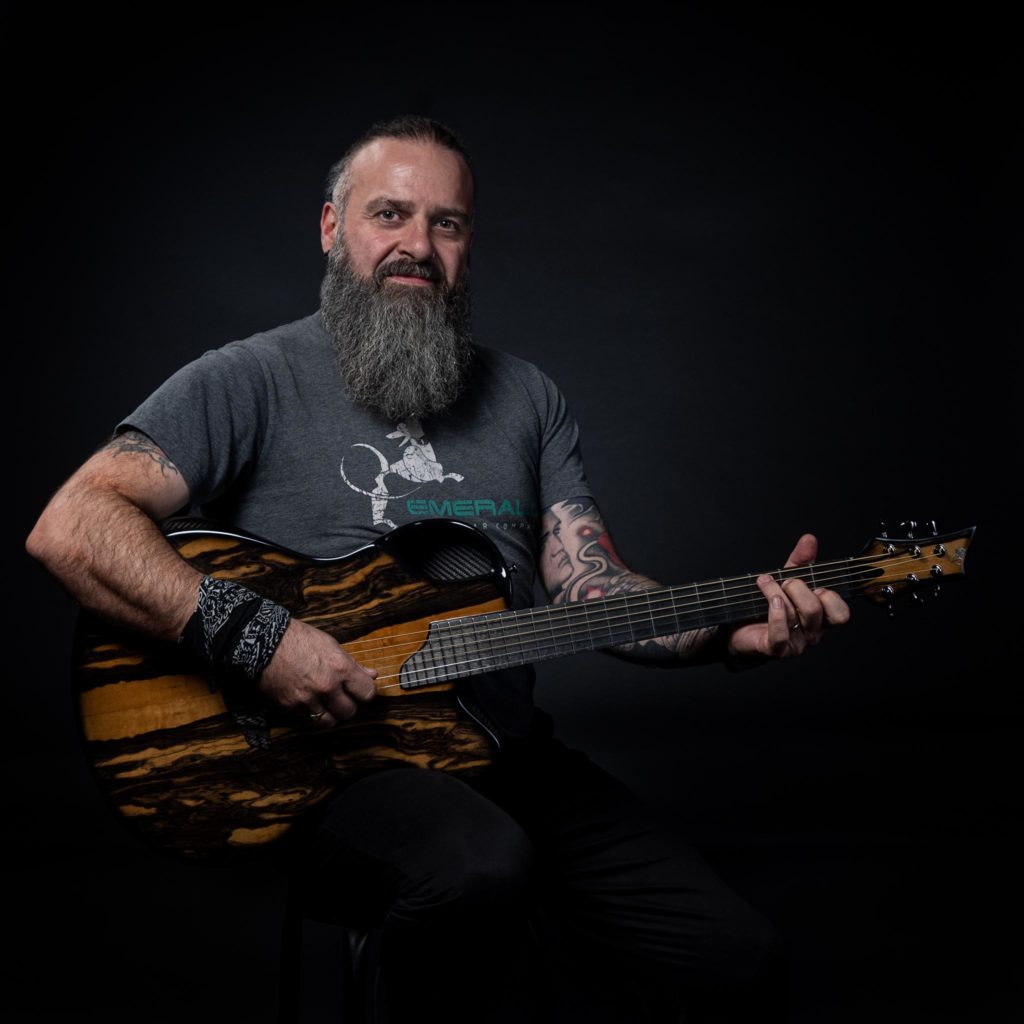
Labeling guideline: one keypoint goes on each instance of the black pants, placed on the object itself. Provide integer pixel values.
(544, 843)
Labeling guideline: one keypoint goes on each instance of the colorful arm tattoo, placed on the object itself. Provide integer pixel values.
(579, 563)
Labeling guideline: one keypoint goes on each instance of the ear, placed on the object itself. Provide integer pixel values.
(329, 226)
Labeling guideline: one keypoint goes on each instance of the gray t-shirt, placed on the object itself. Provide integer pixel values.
(264, 434)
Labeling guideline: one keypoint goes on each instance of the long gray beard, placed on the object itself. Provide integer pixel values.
(404, 351)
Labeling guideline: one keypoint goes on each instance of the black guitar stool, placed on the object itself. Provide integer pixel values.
(362, 999)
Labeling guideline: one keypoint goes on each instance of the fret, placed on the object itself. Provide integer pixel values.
(473, 663)
(694, 613)
(481, 643)
(558, 638)
(604, 635)
(664, 619)
(649, 629)
(504, 633)
(459, 653)
(440, 646)
(675, 611)
(521, 657)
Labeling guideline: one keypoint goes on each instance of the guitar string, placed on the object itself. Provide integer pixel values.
(513, 644)
(428, 671)
(718, 585)
(507, 625)
(819, 573)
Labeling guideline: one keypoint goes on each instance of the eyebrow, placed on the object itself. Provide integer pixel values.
(387, 203)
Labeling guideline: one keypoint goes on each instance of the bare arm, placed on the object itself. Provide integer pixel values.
(98, 537)
(579, 563)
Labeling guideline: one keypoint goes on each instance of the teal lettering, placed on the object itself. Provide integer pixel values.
(416, 507)
(506, 508)
(484, 505)
(463, 507)
(444, 509)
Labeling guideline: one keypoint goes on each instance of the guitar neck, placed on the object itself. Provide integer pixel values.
(470, 645)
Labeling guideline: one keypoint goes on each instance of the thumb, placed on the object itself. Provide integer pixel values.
(806, 551)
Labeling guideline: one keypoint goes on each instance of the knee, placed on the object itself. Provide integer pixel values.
(746, 952)
(467, 873)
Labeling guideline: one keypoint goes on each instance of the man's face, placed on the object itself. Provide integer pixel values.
(407, 202)
(395, 294)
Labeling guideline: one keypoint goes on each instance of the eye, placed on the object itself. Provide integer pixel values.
(447, 224)
(388, 216)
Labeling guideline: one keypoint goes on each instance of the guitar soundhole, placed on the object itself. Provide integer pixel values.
(454, 562)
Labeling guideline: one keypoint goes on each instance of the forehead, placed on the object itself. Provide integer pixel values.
(420, 172)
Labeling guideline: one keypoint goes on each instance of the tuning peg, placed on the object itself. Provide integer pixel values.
(889, 592)
(908, 528)
(882, 528)
(934, 526)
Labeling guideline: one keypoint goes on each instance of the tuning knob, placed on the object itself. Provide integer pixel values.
(908, 528)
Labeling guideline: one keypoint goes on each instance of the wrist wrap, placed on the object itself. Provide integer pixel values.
(233, 627)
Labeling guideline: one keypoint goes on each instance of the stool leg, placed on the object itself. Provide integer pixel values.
(289, 1005)
(362, 997)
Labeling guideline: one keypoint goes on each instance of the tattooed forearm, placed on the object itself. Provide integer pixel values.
(580, 563)
(134, 442)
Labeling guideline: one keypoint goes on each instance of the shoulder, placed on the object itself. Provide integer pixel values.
(502, 369)
(291, 343)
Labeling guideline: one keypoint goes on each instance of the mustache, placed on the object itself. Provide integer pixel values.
(424, 269)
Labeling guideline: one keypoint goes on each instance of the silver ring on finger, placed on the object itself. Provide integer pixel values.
(317, 715)
(794, 627)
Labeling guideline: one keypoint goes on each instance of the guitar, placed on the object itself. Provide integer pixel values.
(205, 768)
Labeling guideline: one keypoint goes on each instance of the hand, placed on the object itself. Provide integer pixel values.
(797, 615)
(310, 674)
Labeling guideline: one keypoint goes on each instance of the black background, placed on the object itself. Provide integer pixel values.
(769, 261)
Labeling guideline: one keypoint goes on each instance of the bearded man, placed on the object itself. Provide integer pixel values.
(319, 435)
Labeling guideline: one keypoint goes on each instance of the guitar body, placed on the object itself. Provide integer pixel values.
(202, 766)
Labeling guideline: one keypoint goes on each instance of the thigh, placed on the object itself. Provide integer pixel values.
(615, 872)
(410, 846)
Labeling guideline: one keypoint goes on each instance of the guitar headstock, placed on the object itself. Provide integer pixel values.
(917, 558)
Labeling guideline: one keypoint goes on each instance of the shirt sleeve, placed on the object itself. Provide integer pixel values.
(561, 461)
(210, 419)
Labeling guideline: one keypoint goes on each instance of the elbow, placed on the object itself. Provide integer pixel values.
(55, 539)
(44, 542)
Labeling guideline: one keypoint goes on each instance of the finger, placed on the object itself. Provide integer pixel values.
(808, 607)
(837, 611)
(357, 679)
(318, 718)
(779, 615)
(805, 552)
(359, 684)
(339, 704)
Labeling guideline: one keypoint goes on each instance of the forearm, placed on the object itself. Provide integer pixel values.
(695, 646)
(580, 563)
(112, 558)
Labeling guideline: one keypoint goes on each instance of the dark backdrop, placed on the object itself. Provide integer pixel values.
(768, 261)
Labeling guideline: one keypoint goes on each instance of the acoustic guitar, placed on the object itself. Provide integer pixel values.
(202, 766)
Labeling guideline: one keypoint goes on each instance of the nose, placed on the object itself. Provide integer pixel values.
(416, 242)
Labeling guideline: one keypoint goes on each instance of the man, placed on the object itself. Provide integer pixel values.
(322, 434)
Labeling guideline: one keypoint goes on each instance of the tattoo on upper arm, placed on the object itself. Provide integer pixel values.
(581, 563)
(134, 442)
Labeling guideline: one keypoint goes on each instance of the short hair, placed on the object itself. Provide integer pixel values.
(408, 126)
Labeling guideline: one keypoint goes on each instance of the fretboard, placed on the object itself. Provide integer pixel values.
(469, 645)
